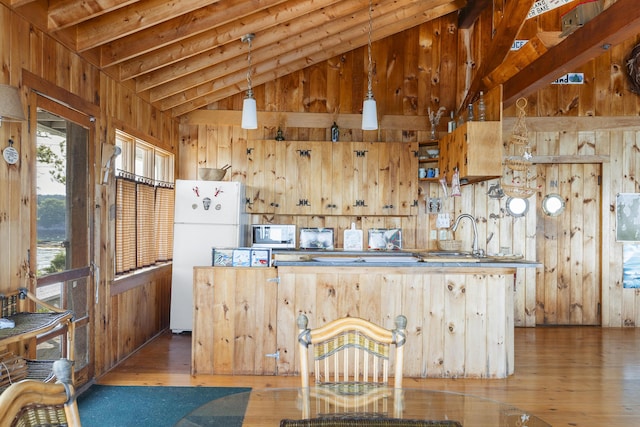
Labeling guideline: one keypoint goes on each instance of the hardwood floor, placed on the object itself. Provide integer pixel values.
(568, 376)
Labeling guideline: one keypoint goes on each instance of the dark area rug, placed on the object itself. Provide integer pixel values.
(124, 406)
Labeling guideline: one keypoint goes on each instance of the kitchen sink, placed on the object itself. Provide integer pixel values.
(368, 259)
(447, 254)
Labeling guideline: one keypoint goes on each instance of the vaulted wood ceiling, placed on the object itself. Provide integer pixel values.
(185, 54)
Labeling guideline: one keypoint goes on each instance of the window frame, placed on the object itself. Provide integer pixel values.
(144, 165)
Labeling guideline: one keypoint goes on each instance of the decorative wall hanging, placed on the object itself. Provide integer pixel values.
(633, 70)
(518, 166)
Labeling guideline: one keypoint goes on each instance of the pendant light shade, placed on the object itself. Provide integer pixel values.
(10, 104)
(369, 114)
(369, 111)
(249, 113)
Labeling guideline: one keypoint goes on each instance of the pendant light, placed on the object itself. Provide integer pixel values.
(10, 104)
(249, 114)
(369, 112)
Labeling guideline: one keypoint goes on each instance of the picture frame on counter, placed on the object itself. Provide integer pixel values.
(241, 257)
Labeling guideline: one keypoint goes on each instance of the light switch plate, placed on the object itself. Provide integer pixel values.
(443, 220)
(434, 205)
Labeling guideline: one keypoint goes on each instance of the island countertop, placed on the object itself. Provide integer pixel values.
(414, 259)
(460, 311)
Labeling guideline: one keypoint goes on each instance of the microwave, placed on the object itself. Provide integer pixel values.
(281, 236)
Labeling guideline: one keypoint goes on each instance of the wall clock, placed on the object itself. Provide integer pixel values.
(10, 154)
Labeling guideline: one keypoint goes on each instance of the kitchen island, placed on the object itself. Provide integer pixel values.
(460, 311)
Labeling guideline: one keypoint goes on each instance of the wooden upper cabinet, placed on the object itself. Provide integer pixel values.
(398, 191)
(264, 183)
(475, 149)
(325, 178)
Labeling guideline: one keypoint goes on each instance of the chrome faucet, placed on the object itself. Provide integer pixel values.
(476, 252)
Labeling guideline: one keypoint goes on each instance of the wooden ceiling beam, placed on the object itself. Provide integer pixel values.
(302, 36)
(210, 23)
(267, 46)
(130, 19)
(612, 26)
(470, 13)
(494, 54)
(204, 49)
(65, 13)
(203, 95)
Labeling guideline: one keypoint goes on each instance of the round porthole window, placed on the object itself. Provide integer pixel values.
(553, 204)
(517, 207)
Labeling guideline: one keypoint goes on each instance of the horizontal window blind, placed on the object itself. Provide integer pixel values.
(144, 222)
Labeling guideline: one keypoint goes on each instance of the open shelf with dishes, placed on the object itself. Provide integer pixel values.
(428, 160)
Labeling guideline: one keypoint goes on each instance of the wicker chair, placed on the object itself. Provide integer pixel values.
(351, 366)
(351, 350)
(31, 403)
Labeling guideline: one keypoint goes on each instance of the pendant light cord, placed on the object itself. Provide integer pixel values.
(248, 38)
(370, 69)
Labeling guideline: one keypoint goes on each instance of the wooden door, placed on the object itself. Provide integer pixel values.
(568, 288)
(303, 173)
(261, 176)
(365, 185)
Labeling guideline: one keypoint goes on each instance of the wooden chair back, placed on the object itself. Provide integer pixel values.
(30, 403)
(351, 350)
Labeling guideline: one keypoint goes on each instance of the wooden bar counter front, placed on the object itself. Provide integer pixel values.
(460, 316)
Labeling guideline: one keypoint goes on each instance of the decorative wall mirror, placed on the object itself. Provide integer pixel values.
(517, 207)
(553, 204)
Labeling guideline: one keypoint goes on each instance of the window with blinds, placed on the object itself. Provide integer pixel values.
(144, 206)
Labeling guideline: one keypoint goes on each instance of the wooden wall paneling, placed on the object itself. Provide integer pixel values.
(576, 302)
(333, 76)
(424, 68)
(563, 297)
(351, 89)
(592, 255)
(327, 298)
(316, 93)
(618, 82)
(246, 332)
(435, 329)
(392, 300)
(476, 300)
(421, 221)
(410, 60)
(412, 302)
(224, 335)
(602, 84)
(202, 344)
(188, 152)
(286, 315)
(547, 282)
(604, 145)
(445, 64)
(587, 94)
(395, 72)
(454, 309)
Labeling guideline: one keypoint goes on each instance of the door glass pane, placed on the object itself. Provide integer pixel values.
(62, 169)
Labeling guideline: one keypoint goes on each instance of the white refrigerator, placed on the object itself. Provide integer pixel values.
(208, 214)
